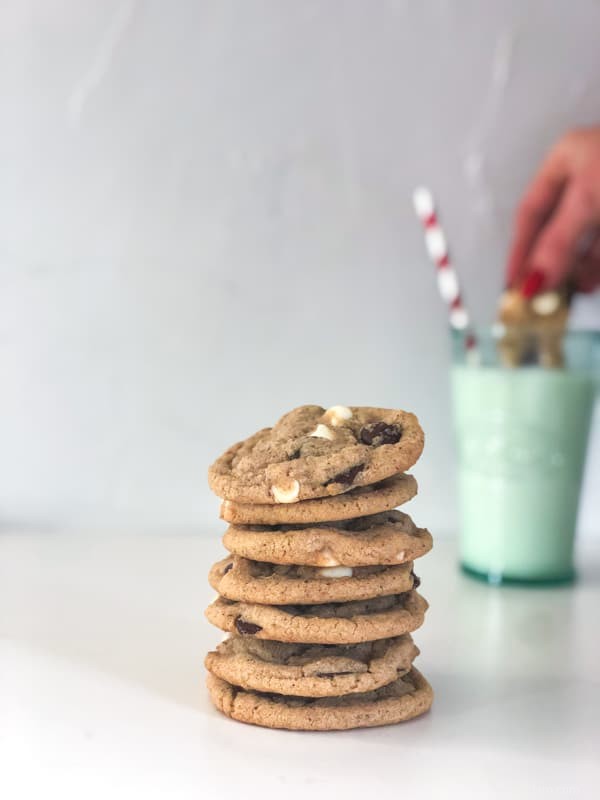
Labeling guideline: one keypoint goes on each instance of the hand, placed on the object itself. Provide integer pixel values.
(556, 235)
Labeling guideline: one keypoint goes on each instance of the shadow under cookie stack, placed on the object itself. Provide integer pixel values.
(318, 595)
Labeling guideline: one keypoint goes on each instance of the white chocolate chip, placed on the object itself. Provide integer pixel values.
(322, 432)
(336, 572)
(546, 303)
(286, 494)
(401, 555)
(337, 414)
(326, 558)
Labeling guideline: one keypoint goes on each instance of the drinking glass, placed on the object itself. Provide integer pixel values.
(521, 436)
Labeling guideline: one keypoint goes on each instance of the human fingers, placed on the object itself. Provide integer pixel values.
(536, 206)
(554, 253)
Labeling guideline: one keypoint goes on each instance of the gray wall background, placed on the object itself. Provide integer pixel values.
(206, 220)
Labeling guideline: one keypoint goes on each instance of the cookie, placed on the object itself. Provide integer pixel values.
(311, 670)
(359, 502)
(405, 698)
(312, 453)
(387, 538)
(238, 578)
(323, 623)
(533, 327)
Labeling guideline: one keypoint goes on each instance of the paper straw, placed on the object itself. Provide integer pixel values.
(437, 248)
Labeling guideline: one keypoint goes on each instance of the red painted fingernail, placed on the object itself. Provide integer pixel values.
(533, 283)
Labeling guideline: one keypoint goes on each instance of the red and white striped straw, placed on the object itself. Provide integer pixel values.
(437, 248)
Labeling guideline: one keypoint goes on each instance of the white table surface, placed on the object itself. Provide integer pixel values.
(101, 686)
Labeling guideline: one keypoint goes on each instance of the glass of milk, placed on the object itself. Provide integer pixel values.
(521, 436)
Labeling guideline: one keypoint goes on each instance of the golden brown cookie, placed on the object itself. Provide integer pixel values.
(533, 328)
(311, 670)
(405, 698)
(238, 578)
(359, 502)
(322, 623)
(312, 453)
(386, 538)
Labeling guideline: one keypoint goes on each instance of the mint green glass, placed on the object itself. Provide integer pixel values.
(521, 437)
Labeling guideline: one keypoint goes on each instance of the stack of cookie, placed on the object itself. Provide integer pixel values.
(318, 595)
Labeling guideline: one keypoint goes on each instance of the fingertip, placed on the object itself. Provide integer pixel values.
(552, 263)
(534, 282)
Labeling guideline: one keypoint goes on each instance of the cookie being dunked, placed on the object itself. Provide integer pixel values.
(533, 327)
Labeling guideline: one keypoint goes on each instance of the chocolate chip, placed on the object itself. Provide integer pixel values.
(246, 627)
(378, 433)
(416, 580)
(228, 567)
(345, 477)
(294, 455)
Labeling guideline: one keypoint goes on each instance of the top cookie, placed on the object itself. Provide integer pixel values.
(312, 453)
